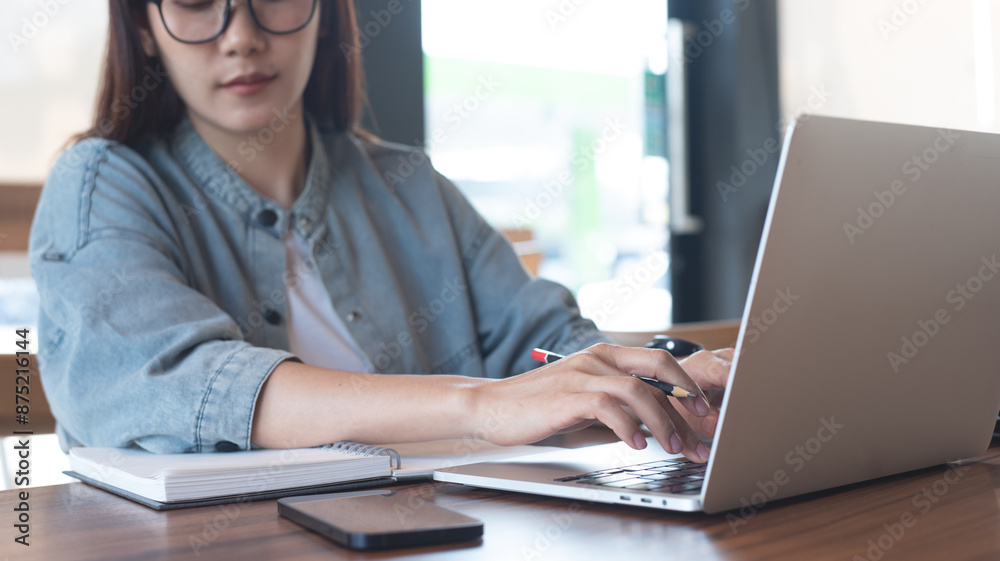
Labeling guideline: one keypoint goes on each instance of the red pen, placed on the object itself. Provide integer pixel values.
(541, 355)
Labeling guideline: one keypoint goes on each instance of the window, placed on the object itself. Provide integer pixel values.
(49, 65)
(549, 117)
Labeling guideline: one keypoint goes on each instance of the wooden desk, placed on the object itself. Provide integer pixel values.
(39, 415)
(17, 208)
(890, 519)
(711, 334)
(76, 521)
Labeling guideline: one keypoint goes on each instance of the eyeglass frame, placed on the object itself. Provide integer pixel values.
(227, 17)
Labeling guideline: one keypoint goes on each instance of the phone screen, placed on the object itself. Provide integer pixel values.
(380, 519)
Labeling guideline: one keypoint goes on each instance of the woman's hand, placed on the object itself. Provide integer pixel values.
(595, 385)
(710, 369)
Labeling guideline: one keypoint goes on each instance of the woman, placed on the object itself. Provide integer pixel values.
(227, 261)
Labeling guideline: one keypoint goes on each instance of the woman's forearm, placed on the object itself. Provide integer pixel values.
(302, 405)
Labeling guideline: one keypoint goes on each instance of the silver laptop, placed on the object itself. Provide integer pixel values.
(868, 345)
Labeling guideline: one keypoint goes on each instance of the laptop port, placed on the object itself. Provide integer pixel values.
(646, 500)
(625, 498)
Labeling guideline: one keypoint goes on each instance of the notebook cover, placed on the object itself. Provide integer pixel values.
(262, 496)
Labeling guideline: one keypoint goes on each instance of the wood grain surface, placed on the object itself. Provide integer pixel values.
(939, 513)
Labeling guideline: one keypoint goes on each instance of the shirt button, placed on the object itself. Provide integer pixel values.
(267, 217)
(226, 446)
(273, 317)
(353, 316)
(305, 222)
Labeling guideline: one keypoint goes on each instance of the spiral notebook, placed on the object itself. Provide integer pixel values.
(171, 481)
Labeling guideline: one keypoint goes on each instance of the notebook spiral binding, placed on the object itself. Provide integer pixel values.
(358, 449)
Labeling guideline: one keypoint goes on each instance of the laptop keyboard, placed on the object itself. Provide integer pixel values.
(664, 476)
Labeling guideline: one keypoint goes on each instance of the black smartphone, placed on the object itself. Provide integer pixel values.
(380, 519)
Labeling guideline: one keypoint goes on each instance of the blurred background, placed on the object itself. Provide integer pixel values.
(621, 144)
(607, 133)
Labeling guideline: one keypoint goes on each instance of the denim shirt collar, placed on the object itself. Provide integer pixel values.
(222, 182)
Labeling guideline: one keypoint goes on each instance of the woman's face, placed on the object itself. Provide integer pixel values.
(241, 81)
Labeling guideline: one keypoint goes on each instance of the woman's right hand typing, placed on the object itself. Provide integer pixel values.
(303, 405)
(593, 385)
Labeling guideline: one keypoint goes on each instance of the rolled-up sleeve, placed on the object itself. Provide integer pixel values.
(514, 312)
(130, 353)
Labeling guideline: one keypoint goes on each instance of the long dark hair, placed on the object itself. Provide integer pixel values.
(136, 98)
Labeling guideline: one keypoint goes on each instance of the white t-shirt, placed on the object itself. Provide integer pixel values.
(316, 333)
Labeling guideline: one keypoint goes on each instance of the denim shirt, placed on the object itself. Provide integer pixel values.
(162, 280)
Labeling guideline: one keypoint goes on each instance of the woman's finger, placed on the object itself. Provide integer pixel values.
(710, 369)
(694, 449)
(651, 406)
(653, 363)
(608, 386)
(605, 408)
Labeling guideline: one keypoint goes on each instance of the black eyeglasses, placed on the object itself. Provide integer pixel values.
(201, 21)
